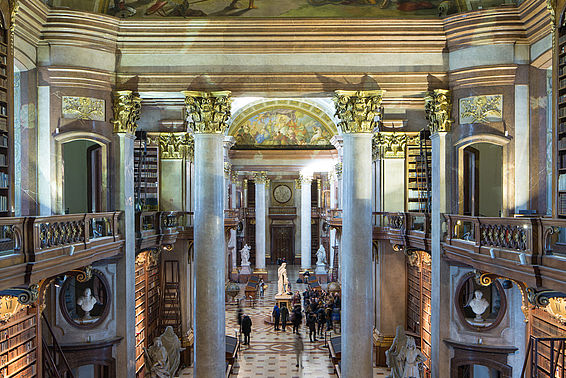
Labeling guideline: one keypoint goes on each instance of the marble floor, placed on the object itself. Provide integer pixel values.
(270, 353)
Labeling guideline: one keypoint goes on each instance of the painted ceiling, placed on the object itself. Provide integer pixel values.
(272, 8)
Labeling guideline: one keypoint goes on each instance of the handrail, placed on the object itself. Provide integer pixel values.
(57, 347)
(538, 371)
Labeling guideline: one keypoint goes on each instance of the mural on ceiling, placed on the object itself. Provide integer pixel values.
(264, 8)
(282, 127)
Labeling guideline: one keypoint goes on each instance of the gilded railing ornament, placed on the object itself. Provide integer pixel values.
(261, 177)
(127, 108)
(486, 279)
(438, 109)
(174, 145)
(208, 112)
(358, 111)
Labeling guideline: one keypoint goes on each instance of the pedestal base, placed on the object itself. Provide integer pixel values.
(322, 278)
(284, 300)
(234, 275)
(245, 273)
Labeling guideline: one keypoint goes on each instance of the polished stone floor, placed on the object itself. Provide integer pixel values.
(270, 353)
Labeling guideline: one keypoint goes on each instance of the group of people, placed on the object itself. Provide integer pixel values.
(321, 309)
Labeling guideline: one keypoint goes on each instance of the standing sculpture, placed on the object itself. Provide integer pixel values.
(413, 360)
(283, 282)
(394, 355)
(157, 360)
(321, 261)
(87, 302)
(173, 346)
(245, 255)
(478, 304)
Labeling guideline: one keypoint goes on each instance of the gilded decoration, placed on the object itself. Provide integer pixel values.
(261, 177)
(438, 110)
(557, 308)
(358, 111)
(542, 298)
(481, 109)
(9, 306)
(282, 123)
(173, 145)
(208, 112)
(83, 108)
(486, 279)
(302, 180)
(127, 108)
(338, 170)
(227, 170)
(392, 145)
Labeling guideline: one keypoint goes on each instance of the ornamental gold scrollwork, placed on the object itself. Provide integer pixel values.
(358, 111)
(438, 110)
(83, 108)
(542, 298)
(302, 180)
(551, 7)
(392, 145)
(261, 177)
(208, 112)
(174, 145)
(486, 279)
(127, 108)
(227, 170)
(481, 109)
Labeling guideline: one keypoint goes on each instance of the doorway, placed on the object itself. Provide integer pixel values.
(482, 180)
(82, 169)
(282, 242)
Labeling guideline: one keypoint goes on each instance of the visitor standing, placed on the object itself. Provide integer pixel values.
(297, 318)
(246, 329)
(276, 314)
(261, 287)
(311, 323)
(284, 317)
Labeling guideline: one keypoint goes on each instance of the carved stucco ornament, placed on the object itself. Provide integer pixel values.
(438, 110)
(261, 177)
(127, 108)
(392, 145)
(174, 145)
(358, 111)
(208, 112)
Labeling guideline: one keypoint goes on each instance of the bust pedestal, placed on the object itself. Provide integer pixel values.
(245, 272)
(321, 273)
(284, 300)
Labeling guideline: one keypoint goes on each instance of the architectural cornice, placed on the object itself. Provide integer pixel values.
(484, 76)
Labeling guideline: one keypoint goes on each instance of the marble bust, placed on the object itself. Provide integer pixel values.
(87, 302)
(478, 304)
(245, 255)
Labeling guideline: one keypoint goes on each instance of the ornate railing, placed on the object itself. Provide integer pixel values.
(11, 235)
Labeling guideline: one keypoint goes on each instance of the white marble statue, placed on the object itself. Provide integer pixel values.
(245, 255)
(173, 346)
(395, 354)
(478, 304)
(157, 360)
(321, 256)
(283, 282)
(87, 302)
(413, 359)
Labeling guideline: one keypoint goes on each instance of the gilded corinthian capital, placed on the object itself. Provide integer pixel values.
(176, 145)
(126, 112)
(358, 111)
(208, 112)
(438, 109)
(261, 177)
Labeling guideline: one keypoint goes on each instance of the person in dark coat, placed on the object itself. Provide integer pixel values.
(276, 315)
(297, 319)
(321, 319)
(246, 329)
(284, 317)
(311, 323)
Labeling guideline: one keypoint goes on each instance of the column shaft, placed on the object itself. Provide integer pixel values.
(305, 224)
(357, 301)
(260, 230)
(125, 270)
(209, 322)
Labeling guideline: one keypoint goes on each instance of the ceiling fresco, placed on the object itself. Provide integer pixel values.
(271, 8)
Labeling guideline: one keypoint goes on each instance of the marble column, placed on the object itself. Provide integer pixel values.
(357, 112)
(522, 143)
(233, 236)
(44, 149)
(207, 116)
(305, 183)
(126, 113)
(438, 108)
(332, 183)
(261, 181)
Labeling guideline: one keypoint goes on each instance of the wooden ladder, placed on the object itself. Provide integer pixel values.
(170, 309)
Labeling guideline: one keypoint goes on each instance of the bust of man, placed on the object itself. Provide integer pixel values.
(87, 302)
(478, 304)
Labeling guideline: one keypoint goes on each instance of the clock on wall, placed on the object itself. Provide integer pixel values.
(282, 194)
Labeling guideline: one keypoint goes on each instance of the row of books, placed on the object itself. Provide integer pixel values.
(18, 339)
(3, 159)
(16, 328)
(146, 174)
(3, 203)
(15, 353)
(562, 182)
(416, 206)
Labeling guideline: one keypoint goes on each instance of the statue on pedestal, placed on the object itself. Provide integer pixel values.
(283, 282)
(157, 360)
(478, 304)
(245, 255)
(173, 346)
(87, 302)
(321, 260)
(394, 355)
(413, 360)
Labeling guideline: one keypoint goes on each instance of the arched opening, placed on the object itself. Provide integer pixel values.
(481, 185)
(82, 176)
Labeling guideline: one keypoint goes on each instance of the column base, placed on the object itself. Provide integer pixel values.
(261, 272)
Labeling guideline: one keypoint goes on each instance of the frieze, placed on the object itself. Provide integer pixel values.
(88, 108)
(481, 109)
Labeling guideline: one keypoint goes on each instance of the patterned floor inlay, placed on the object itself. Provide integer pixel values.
(270, 353)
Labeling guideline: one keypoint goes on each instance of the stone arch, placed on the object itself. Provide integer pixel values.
(306, 108)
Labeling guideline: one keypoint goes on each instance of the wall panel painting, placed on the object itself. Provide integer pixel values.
(280, 128)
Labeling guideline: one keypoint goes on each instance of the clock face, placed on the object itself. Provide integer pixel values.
(282, 193)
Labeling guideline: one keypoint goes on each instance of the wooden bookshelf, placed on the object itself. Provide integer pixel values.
(140, 296)
(152, 301)
(146, 176)
(18, 345)
(418, 164)
(6, 114)
(561, 129)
